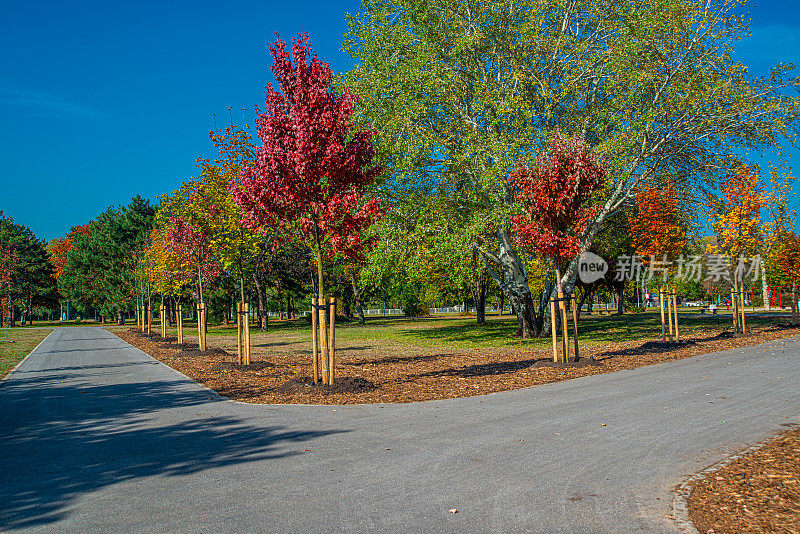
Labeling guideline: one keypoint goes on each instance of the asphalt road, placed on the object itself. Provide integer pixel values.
(97, 436)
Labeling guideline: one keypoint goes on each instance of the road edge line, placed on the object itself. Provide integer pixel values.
(27, 355)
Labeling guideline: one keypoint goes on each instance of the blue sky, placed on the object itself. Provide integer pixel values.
(103, 100)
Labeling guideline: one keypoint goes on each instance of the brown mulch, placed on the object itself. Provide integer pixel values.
(417, 376)
(305, 384)
(759, 492)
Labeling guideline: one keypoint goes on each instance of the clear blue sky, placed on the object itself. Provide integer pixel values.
(103, 100)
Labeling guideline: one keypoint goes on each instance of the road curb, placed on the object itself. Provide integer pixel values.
(27, 355)
(680, 503)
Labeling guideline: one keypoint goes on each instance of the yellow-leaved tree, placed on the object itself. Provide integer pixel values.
(735, 218)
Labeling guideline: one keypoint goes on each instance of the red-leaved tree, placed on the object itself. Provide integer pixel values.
(310, 175)
(555, 195)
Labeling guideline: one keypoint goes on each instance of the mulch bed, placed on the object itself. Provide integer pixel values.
(759, 492)
(277, 377)
(305, 385)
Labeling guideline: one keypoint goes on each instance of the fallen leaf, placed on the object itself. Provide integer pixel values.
(453, 511)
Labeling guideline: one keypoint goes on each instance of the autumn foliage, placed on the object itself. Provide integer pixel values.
(655, 226)
(60, 247)
(310, 175)
(169, 267)
(787, 256)
(188, 241)
(555, 195)
(736, 218)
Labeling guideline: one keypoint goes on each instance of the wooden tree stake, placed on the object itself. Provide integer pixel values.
(201, 326)
(315, 338)
(675, 310)
(149, 320)
(199, 329)
(179, 318)
(553, 328)
(669, 314)
(239, 331)
(247, 333)
(741, 300)
(323, 337)
(663, 319)
(332, 343)
(564, 332)
(574, 303)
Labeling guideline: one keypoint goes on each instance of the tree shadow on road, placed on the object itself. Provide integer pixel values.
(63, 438)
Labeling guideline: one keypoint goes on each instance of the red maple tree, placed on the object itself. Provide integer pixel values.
(310, 175)
(555, 194)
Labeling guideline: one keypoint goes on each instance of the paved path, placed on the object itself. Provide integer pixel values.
(97, 436)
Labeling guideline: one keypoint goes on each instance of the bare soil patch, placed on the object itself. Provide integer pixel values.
(759, 492)
(402, 373)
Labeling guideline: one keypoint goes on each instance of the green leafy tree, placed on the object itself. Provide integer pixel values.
(459, 91)
(25, 272)
(101, 267)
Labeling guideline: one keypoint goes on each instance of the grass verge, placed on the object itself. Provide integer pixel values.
(16, 343)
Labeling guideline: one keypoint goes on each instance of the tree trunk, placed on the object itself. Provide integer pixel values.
(480, 307)
(261, 293)
(320, 280)
(513, 282)
(279, 297)
(120, 317)
(479, 293)
(586, 294)
(357, 295)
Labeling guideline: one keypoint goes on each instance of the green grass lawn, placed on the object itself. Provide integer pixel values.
(461, 333)
(16, 343)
